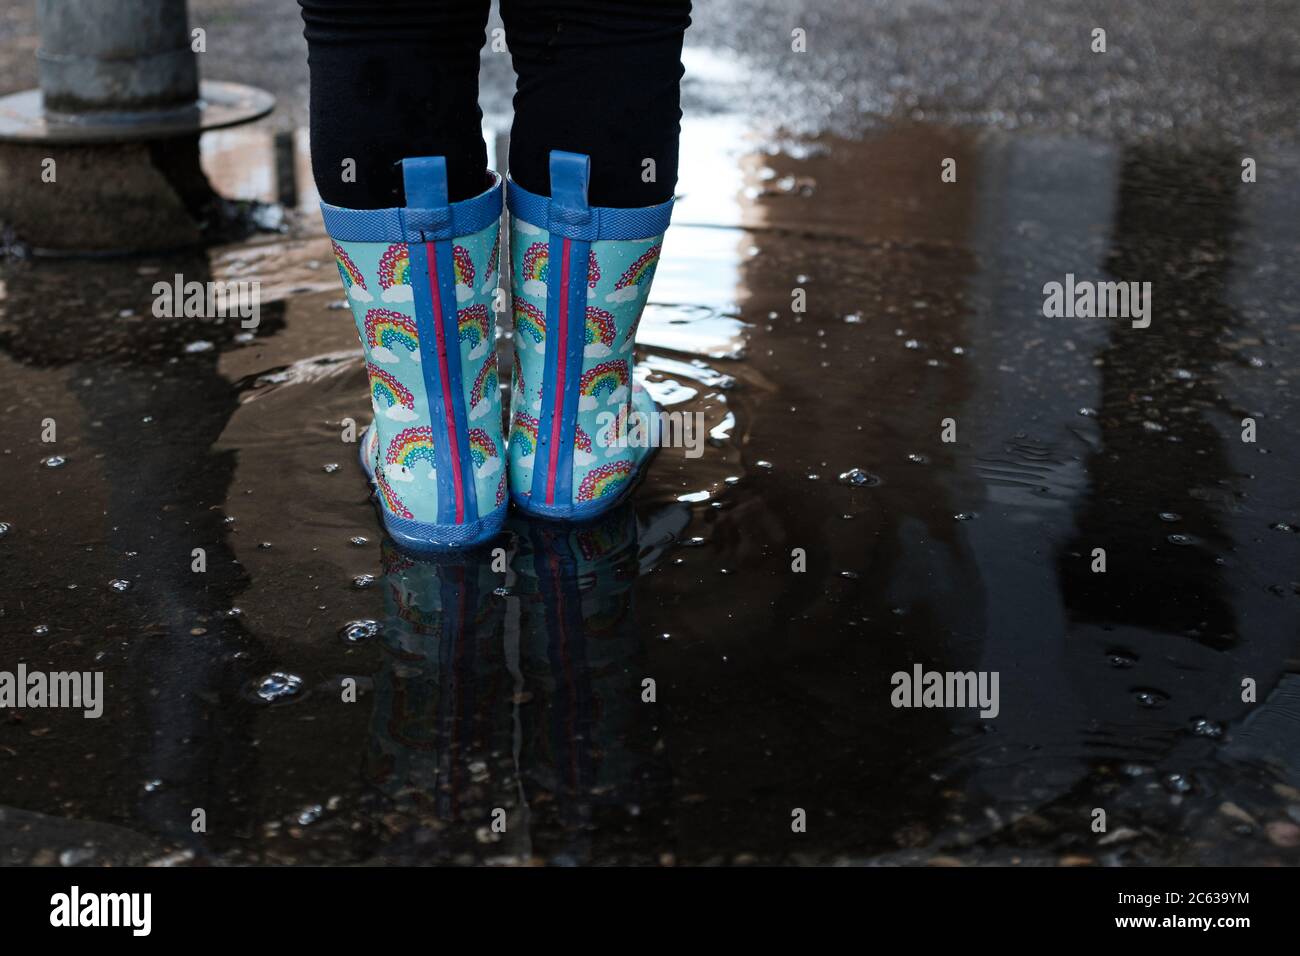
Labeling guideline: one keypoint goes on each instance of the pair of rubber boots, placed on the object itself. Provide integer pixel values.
(422, 279)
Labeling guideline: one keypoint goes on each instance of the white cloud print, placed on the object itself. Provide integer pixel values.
(525, 461)
(384, 356)
(463, 292)
(398, 293)
(396, 471)
(625, 294)
(618, 395)
(400, 413)
(586, 403)
(482, 408)
(595, 350)
(360, 293)
(535, 288)
(581, 457)
(490, 468)
(527, 228)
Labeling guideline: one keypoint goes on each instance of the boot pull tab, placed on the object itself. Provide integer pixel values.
(570, 173)
(424, 178)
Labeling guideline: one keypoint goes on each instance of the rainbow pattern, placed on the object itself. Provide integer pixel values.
(463, 265)
(388, 391)
(582, 441)
(481, 447)
(640, 271)
(523, 433)
(593, 270)
(604, 378)
(537, 262)
(501, 490)
(389, 497)
(348, 270)
(530, 321)
(411, 445)
(604, 480)
(486, 383)
(395, 266)
(384, 328)
(600, 327)
(474, 324)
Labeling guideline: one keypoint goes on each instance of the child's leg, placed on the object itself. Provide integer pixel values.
(391, 79)
(601, 78)
(593, 165)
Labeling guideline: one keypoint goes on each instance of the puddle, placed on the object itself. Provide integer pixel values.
(522, 689)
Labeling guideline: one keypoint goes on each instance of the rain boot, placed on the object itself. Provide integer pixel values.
(580, 278)
(420, 280)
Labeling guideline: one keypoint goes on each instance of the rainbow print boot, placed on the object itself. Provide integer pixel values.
(420, 280)
(581, 276)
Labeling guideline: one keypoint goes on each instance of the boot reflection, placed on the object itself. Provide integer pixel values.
(508, 716)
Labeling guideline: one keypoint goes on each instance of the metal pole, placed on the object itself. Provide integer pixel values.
(116, 56)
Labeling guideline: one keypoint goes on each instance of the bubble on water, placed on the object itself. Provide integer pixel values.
(696, 542)
(1151, 426)
(1275, 526)
(277, 687)
(813, 476)
(41, 630)
(359, 540)
(965, 516)
(76, 856)
(765, 465)
(265, 546)
(851, 575)
(357, 632)
(1170, 516)
(1151, 699)
(1176, 783)
(503, 591)
(918, 459)
(857, 478)
(1204, 727)
(330, 468)
(853, 318)
(1183, 375)
(1087, 412)
(1182, 540)
(310, 815)
(5, 528)
(198, 346)
(1121, 659)
(120, 585)
(911, 344)
(152, 786)
(54, 461)
(363, 581)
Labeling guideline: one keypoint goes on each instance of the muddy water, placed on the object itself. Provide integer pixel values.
(522, 690)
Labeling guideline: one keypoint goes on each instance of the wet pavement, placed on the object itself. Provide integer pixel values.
(520, 689)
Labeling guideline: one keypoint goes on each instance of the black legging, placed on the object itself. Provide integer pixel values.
(398, 78)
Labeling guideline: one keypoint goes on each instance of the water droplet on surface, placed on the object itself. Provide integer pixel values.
(54, 461)
(1181, 540)
(1088, 412)
(41, 630)
(152, 786)
(330, 468)
(357, 632)
(1151, 699)
(363, 581)
(310, 815)
(359, 541)
(199, 346)
(1170, 516)
(1203, 727)
(120, 585)
(265, 546)
(765, 465)
(5, 528)
(965, 516)
(278, 686)
(1176, 783)
(857, 478)
(917, 459)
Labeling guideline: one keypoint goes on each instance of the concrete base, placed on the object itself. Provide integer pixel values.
(111, 198)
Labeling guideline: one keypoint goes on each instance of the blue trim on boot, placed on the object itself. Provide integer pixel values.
(413, 223)
(591, 224)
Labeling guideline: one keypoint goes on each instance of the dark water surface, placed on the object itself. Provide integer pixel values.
(523, 689)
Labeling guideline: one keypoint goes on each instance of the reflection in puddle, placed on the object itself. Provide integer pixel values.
(519, 687)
